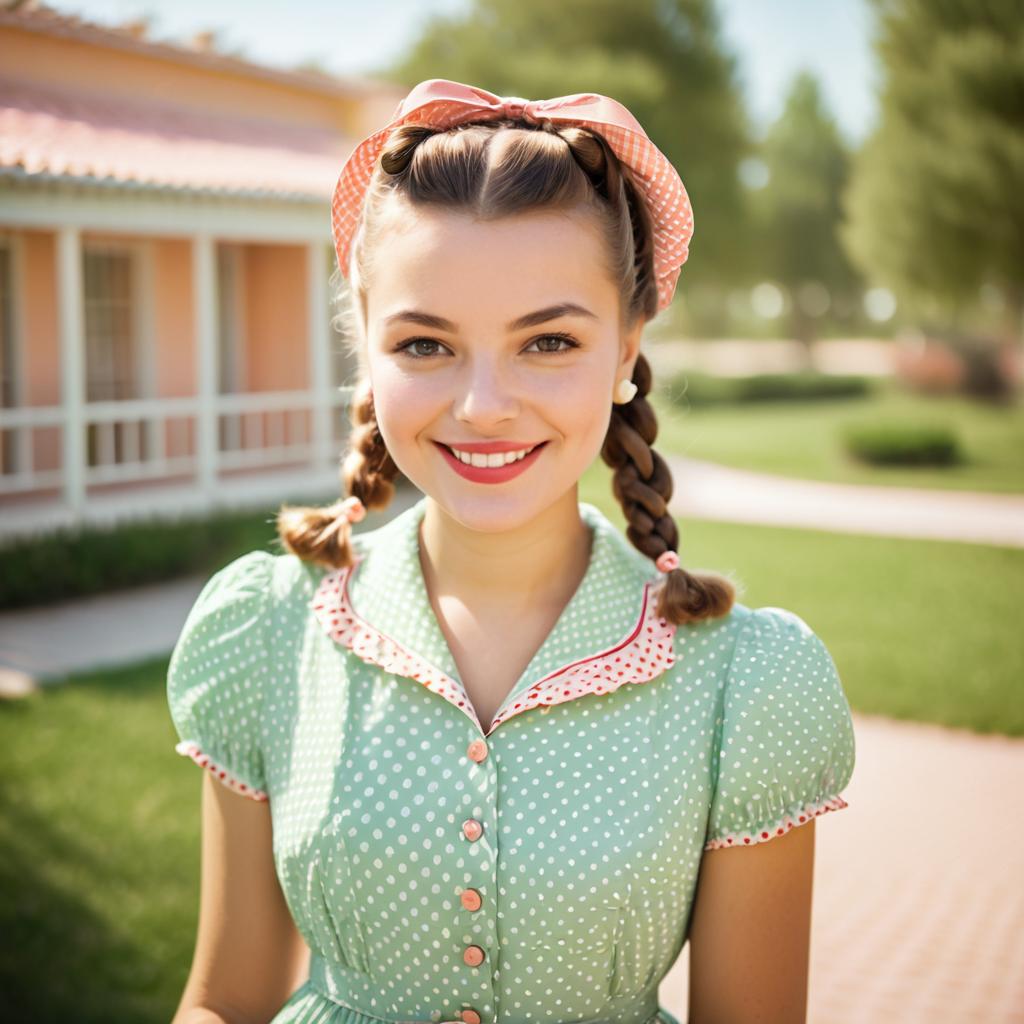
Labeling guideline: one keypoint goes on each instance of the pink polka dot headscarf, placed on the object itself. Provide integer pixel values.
(442, 103)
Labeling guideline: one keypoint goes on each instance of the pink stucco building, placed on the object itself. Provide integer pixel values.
(165, 336)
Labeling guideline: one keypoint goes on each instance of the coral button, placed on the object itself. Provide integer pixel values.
(472, 829)
(471, 899)
(477, 750)
(473, 955)
(470, 1017)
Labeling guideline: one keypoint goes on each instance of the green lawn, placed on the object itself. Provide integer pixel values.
(99, 827)
(801, 439)
(99, 820)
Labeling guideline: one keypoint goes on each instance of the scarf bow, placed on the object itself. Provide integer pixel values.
(442, 103)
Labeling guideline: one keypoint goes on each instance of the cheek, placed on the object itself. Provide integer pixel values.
(402, 402)
(579, 407)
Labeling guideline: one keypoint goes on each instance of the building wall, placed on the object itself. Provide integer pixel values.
(40, 341)
(276, 317)
(174, 318)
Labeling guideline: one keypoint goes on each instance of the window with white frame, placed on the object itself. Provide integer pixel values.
(111, 358)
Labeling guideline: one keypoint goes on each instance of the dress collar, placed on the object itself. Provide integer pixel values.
(607, 635)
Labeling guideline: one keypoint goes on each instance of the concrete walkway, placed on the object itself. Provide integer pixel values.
(39, 646)
(706, 490)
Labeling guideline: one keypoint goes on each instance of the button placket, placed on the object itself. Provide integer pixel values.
(474, 954)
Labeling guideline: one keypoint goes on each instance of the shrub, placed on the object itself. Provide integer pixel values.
(904, 444)
(691, 389)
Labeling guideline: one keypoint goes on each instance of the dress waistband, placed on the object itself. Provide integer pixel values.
(329, 985)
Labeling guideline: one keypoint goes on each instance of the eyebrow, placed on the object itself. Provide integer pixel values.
(539, 316)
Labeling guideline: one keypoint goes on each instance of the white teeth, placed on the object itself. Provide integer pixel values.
(493, 460)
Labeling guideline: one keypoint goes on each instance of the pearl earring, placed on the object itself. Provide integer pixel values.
(625, 391)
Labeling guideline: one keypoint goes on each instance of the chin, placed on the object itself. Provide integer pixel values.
(491, 511)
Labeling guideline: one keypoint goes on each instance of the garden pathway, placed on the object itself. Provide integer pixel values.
(706, 490)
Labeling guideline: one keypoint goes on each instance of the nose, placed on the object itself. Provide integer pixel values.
(486, 397)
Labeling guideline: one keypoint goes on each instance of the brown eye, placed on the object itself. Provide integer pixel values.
(552, 343)
(421, 347)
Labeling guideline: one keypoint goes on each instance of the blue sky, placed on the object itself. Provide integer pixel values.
(773, 39)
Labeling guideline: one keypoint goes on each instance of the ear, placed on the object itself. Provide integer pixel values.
(629, 349)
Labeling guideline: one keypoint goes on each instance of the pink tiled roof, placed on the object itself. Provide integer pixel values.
(55, 133)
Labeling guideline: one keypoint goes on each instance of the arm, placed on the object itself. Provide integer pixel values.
(249, 956)
(750, 934)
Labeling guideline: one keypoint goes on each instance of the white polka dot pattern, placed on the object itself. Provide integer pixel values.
(787, 745)
(544, 872)
(443, 102)
(216, 673)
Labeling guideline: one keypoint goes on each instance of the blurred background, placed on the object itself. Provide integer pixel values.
(839, 386)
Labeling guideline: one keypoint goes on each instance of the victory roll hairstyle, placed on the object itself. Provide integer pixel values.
(495, 169)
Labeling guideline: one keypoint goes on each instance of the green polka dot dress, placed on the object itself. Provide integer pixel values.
(540, 871)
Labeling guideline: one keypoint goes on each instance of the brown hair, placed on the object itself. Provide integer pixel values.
(536, 167)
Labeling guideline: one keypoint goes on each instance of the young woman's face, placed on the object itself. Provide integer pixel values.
(493, 351)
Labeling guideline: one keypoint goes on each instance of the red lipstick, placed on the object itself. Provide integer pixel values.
(491, 474)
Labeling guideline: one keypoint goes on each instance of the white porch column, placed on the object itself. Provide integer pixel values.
(321, 385)
(204, 309)
(70, 306)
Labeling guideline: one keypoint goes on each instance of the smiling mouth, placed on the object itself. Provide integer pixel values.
(490, 460)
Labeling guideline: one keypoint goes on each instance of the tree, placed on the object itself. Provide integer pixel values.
(663, 59)
(798, 212)
(935, 205)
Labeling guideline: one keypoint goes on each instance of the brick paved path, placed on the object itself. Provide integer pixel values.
(919, 884)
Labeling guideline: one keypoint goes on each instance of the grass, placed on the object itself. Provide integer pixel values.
(99, 827)
(99, 818)
(801, 439)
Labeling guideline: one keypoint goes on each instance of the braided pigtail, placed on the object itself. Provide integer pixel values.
(369, 469)
(324, 535)
(642, 484)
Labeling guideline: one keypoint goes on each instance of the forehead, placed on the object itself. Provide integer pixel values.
(443, 261)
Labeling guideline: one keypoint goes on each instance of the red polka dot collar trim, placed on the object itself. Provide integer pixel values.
(644, 651)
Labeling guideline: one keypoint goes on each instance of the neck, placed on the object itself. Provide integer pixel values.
(540, 561)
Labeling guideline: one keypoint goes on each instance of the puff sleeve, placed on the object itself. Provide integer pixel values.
(216, 675)
(786, 747)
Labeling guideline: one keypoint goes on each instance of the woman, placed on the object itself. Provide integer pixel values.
(487, 761)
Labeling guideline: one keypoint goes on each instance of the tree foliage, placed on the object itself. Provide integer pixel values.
(935, 207)
(799, 210)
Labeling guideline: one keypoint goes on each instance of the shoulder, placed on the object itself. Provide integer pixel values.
(772, 642)
(786, 745)
(217, 672)
(752, 635)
